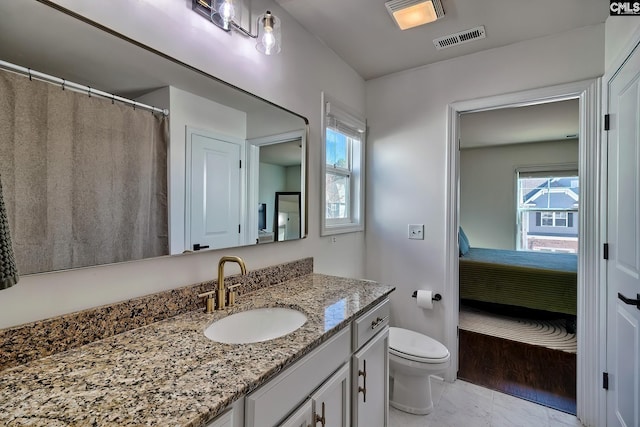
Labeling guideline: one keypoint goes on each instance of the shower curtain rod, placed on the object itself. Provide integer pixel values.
(78, 87)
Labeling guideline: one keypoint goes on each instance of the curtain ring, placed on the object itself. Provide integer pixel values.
(89, 91)
(30, 79)
(113, 99)
(64, 82)
(152, 109)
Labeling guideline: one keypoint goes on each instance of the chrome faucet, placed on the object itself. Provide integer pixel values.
(221, 290)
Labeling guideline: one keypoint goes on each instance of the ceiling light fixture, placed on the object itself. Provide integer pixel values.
(223, 14)
(412, 13)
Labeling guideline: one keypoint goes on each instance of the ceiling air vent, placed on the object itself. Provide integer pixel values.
(465, 36)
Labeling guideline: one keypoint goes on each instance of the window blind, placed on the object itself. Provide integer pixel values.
(343, 121)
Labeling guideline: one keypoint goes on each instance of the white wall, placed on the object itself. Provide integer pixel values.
(407, 157)
(619, 29)
(293, 79)
(271, 122)
(487, 187)
(272, 179)
(294, 183)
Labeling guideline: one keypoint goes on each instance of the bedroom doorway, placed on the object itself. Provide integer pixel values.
(518, 210)
(588, 374)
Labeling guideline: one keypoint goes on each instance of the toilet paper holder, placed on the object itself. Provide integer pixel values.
(436, 297)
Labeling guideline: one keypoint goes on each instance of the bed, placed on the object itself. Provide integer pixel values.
(533, 280)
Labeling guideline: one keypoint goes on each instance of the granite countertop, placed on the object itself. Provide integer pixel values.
(168, 373)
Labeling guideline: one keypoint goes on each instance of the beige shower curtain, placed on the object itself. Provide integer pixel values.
(85, 180)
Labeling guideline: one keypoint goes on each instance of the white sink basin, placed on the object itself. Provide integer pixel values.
(260, 324)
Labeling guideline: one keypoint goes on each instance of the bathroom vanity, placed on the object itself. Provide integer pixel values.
(330, 371)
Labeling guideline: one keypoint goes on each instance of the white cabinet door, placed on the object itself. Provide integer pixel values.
(272, 402)
(331, 401)
(302, 417)
(370, 377)
(224, 420)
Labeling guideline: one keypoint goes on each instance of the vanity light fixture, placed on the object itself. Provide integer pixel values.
(412, 13)
(223, 13)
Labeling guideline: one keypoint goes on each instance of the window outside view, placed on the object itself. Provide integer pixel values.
(548, 214)
(338, 170)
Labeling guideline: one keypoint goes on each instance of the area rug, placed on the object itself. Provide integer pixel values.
(549, 333)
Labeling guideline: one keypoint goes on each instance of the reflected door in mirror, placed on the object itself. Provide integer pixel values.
(215, 193)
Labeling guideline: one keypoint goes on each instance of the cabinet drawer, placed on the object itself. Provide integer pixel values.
(369, 324)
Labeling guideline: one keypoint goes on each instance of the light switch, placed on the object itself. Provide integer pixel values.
(416, 231)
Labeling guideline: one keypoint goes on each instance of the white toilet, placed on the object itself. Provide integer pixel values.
(413, 357)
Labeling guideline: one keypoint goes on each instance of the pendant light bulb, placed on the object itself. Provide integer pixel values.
(268, 40)
(269, 37)
(225, 11)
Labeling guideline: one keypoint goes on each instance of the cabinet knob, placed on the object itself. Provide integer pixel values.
(320, 419)
(363, 373)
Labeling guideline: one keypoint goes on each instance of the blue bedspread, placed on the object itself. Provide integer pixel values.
(542, 260)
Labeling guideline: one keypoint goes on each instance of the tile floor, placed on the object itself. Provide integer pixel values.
(463, 404)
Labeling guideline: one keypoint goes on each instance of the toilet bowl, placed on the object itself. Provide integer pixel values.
(413, 357)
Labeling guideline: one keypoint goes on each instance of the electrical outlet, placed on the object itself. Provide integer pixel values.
(416, 231)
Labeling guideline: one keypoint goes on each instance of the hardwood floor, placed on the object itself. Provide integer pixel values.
(534, 373)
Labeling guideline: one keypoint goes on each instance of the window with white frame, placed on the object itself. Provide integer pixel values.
(547, 212)
(343, 169)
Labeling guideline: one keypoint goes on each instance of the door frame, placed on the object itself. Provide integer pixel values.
(590, 398)
(253, 162)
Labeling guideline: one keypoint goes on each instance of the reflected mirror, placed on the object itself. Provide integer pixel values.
(206, 118)
(287, 218)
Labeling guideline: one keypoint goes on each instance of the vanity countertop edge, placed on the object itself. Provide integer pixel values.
(168, 372)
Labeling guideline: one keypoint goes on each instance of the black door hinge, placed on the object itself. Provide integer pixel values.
(607, 122)
(605, 251)
(240, 164)
(605, 380)
(238, 228)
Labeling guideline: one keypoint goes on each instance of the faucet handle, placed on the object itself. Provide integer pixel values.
(210, 302)
(232, 293)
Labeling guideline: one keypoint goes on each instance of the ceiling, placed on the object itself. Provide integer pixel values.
(283, 154)
(76, 53)
(363, 34)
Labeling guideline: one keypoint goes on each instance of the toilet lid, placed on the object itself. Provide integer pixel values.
(416, 345)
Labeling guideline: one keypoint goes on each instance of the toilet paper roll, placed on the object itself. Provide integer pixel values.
(425, 299)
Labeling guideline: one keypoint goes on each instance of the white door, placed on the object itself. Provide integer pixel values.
(214, 196)
(623, 235)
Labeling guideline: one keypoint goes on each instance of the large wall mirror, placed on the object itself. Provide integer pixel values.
(228, 153)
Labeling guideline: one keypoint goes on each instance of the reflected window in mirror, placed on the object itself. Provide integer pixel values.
(343, 170)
